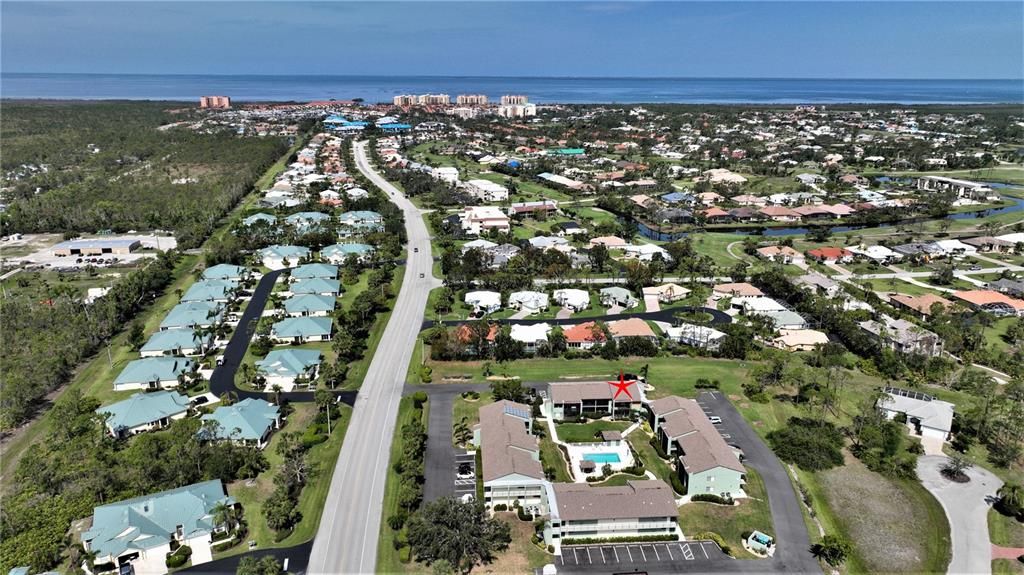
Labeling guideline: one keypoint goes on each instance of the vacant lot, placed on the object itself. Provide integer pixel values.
(895, 526)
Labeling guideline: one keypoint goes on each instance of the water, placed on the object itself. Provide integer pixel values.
(602, 457)
(540, 90)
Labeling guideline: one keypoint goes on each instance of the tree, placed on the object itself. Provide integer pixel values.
(1011, 500)
(461, 432)
(812, 444)
(599, 258)
(832, 549)
(509, 389)
(279, 510)
(954, 468)
(136, 335)
(324, 400)
(506, 348)
(225, 515)
(266, 565)
(460, 533)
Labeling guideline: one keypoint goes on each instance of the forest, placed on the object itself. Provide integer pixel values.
(119, 166)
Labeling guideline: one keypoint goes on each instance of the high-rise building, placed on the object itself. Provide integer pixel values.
(405, 100)
(433, 100)
(517, 110)
(220, 102)
(471, 99)
(514, 100)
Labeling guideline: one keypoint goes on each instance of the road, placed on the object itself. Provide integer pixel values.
(349, 527)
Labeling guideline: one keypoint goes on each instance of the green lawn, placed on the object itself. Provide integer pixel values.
(552, 455)
(1005, 531)
(357, 369)
(656, 465)
(587, 432)
(322, 459)
(387, 555)
(731, 521)
(469, 409)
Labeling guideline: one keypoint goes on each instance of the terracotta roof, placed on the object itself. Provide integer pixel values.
(779, 211)
(632, 327)
(464, 334)
(739, 289)
(985, 297)
(583, 332)
(636, 499)
(830, 253)
(921, 304)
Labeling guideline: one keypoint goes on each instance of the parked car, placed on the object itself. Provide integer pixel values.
(715, 419)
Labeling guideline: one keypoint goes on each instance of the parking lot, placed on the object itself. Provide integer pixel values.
(465, 462)
(640, 557)
(717, 419)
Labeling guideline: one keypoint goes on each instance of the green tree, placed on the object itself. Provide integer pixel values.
(324, 400)
(832, 549)
(460, 533)
(510, 389)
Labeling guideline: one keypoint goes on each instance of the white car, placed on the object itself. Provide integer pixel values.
(715, 419)
(467, 475)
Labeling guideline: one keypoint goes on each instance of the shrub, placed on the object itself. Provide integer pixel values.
(603, 540)
(656, 444)
(812, 444)
(501, 507)
(551, 548)
(309, 440)
(712, 536)
(712, 498)
(405, 554)
(224, 546)
(179, 557)
(425, 374)
(677, 484)
(397, 520)
(418, 399)
(523, 515)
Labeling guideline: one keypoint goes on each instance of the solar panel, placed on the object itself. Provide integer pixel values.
(511, 410)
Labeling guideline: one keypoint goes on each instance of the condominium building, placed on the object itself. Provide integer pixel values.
(510, 455)
(636, 509)
(514, 100)
(219, 102)
(471, 99)
(433, 99)
(517, 110)
(404, 100)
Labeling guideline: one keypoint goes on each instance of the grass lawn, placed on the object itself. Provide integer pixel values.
(1007, 567)
(552, 455)
(899, 286)
(1005, 531)
(731, 521)
(469, 409)
(322, 457)
(357, 369)
(714, 245)
(994, 335)
(587, 432)
(656, 465)
(387, 555)
(894, 525)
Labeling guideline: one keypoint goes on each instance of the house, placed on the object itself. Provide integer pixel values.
(486, 190)
(567, 400)
(830, 255)
(278, 257)
(631, 327)
(532, 301)
(667, 293)
(698, 336)
(954, 248)
(360, 221)
(989, 244)
(220, 291)
(500, 255)
(919, 305)
(880, 254)
(784, 319)
(229, 272)
(1014, 288)
(476, 220)
(314, 270)
(483, 302)
(715, 215)
(302, 330)
(248, 422)
(478, 244)
(991, 301)
(153, 372)
(317, 286)
(543, 208)
(510, 455)
(706, 463)
(309, 305)
(307, 221)
(581, 511)
(203, 314)
(575, 299)
(531, 336)
(646, 252)
(739, 290)
(584, 335)
(780, 214)
(547, 242)
(819, 284)
(563, 229)
(144, 412)
(338, 253)
(608, 242)
(259, 218)
(618, 296)
(903, 336)
(446, 174)
(177, 341)
(926, 415)
(797, 339)
(781, 255)
(135, 535)
(287, 368)
(749, 200)
(757, 305)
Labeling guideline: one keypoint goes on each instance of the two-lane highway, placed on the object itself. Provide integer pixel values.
(348, 535)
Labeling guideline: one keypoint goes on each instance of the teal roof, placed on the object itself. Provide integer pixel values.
(147, 522)
(288, 362)
(307, 218)
(193, 313)
(302, 327)
(152, 369)
(360, 217)
(309, 303)
(315, 285)
(617, 292)
(291, 252)
(346, 249)
(143, 408)
(172, 340)
(224, 272)
(18, 571)
(249, 419)
(209, 290)
(260, 217)
(326, 271)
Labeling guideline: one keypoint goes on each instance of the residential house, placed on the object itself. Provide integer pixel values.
(202, 314)
(903, 336)
(302, 330)
(310, 305)
(563, 229)
(994, 302)
(220, 291)
(337, 254)
(699, 336)
(259, 218)
(531, 336)
(666, 293)
(706, 463)
(784, 319)
(483, 302)
(781, 255)
(631, 327)
(608, 242)
(741, 290)
(287, 368)
(584, 335)
(879, 254)
(646, 252)
(308, 221)
(153, 372)
(360, 222)
(1010, 287)
(278, 257)
(476, 220)
(144, 412)
(136, 535)
(532, 301)
(925, 415)
(617, 296)
(228, 272)
(830, 255)
(798, 339)
(580, 511)
(314, 270)
(920, 305)
(316, 286)
(818, 284)
(575, 300)
(177, 341)
(780, 214)
(248, 422)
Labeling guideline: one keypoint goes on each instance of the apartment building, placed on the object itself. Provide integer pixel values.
(582, 511)
(510, 455)
(471, 100)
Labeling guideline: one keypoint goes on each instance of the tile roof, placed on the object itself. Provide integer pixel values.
(636, 499)
(144, 408)
(249, 419)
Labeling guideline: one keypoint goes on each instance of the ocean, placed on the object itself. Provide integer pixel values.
(540, 90)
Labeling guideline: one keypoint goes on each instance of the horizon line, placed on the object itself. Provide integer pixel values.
(513, 77)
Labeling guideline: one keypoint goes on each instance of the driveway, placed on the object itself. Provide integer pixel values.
(439, 460)
(792, 553)
(966, 506)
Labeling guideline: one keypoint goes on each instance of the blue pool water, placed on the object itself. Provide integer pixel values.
(602, 457)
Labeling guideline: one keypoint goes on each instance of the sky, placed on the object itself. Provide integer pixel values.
(803, 39)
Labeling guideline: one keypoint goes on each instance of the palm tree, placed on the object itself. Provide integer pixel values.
(324, 399)
(276, 389)
(224, 515)
(1011, 499)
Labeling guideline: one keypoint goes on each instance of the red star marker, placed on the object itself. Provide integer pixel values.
(622, 386)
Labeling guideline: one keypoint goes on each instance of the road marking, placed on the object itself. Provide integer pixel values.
(630, 554)
(642, 552)
(669, 549)
(574, 556)
(687, 552)
(703, 549)
(656, 554)
(616, 554)
(589, 560)
(603, 560)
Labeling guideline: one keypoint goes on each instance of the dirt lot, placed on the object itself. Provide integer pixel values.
(892, 524)
(520, 554)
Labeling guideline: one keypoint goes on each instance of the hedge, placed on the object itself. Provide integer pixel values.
(677, 484)
(501, 507)
(606, 540)
(179, 557)
(225, 545)
(405, 554)
(712, 498)
(712, 536)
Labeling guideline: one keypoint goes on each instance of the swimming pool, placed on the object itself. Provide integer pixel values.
(602, 457)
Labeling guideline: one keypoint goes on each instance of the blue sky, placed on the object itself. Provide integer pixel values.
(687, 39)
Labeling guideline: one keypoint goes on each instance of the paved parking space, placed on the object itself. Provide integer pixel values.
(464, 486)
(640, 557)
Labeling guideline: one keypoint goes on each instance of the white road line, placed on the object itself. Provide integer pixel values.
(603, 560)
(656, 554)
(687, 552)
(589, 560)
(616, 554)
(630, 554)
(642, 552)
(575, 556)
(669, 549)
(704, 550)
